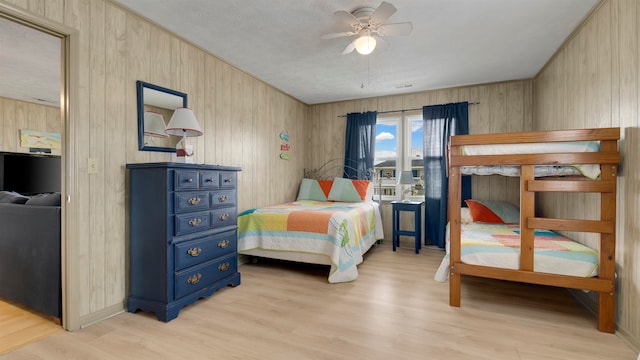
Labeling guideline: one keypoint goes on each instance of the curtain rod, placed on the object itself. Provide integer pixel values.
(403, 110)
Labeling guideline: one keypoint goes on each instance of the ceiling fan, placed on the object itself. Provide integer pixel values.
(368, 25)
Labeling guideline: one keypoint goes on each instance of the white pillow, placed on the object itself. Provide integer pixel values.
(465, 215)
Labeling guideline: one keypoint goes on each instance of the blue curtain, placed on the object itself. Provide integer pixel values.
(359, 147)
(440, 122)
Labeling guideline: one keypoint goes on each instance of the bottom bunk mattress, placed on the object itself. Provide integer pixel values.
(498, 245)
(333, 233)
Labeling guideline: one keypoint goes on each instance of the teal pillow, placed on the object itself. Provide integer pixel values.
(310, 190)
(350, 190)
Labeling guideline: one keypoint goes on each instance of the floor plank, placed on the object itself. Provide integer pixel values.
(20, 326)
(393, 310)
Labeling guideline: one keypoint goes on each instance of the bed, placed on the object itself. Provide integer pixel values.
(544, 160)
(498, 245)
(332, 222)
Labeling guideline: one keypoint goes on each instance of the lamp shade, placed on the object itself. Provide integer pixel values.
(154, 124)
(406, 178)
(365, 44)
(183, 123)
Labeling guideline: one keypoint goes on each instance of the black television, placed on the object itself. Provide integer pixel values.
(30, 174)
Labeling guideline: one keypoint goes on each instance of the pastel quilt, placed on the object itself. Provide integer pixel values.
(498, 245)
(341, 231)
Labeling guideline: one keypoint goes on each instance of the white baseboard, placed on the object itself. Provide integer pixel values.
(590, 302)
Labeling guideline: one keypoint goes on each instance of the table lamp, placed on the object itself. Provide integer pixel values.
(405, 178)
(183, 123)
(154, 126)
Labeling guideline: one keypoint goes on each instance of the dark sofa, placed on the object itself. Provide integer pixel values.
(30, 252)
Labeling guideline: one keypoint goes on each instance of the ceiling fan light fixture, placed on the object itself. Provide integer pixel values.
(365, 44)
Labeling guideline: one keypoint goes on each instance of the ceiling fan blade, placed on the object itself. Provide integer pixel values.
(403, 28)
(346, 17)
(382, 13)
(349, 49)
(381, 45)
(338, 35)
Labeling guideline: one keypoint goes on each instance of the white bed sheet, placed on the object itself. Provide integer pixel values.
(591, 171)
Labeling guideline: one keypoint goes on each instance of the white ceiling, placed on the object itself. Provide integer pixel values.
(453, 43)
(29, 64)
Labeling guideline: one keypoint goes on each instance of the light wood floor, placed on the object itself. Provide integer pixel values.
(394, 310)
(20, 326)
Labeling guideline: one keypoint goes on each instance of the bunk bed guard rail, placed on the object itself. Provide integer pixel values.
(607, 157)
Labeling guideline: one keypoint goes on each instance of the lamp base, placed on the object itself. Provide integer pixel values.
(404, 195)
(182, 159)
(183, 155)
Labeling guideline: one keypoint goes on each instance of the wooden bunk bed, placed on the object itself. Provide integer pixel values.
(607, 157)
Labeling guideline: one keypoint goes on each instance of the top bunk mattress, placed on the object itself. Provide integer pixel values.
(591, 171)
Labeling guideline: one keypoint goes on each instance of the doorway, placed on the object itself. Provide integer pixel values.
(29, 107)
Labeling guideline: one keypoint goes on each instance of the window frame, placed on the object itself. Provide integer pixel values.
(403, 157)
(408, 118)
(380, 181)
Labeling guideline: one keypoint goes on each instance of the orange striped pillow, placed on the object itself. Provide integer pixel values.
(496, 212)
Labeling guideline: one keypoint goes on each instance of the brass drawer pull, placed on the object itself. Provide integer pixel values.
(227, 181)
(223, 244)
(223, 266)
(194, 201)
(189, 180)
(194, 251)
(194, 279)
(223, 198)
(223, 217)
(208, 180)
(195, 222)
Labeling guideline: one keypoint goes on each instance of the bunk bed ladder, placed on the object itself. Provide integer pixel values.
(604, 284)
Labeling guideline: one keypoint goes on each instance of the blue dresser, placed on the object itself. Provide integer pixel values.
(183, 235)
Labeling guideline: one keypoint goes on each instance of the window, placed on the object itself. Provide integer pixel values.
(398, 148)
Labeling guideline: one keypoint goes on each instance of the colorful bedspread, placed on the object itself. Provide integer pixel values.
(498, 245)
(341, 231)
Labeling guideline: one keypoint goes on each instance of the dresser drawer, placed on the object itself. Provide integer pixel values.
(227, 180)
(201, 250)
(186, 180)
(200, 276)
(222, 198)
(192, 222)
(224, 217)
(209, 179)
(191, 201)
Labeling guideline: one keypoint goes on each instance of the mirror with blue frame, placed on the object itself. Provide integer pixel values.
(156, 104)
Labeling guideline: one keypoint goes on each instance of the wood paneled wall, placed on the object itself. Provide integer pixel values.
(500, 107)
(16, 115)
(594, 81)
(241, 118)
